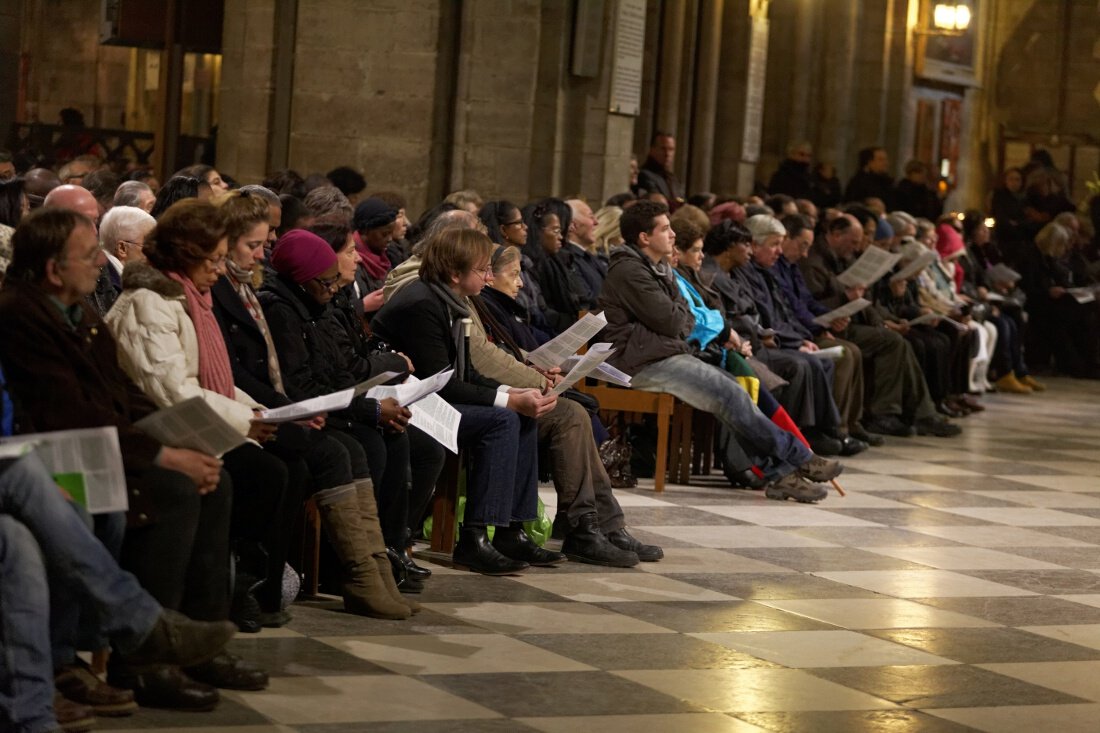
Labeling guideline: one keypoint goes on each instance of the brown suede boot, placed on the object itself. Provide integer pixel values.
(376, 544)
(365, 591)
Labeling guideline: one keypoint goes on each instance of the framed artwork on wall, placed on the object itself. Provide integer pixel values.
(951, 57)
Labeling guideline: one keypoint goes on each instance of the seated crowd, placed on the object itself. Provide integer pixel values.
(124, 297)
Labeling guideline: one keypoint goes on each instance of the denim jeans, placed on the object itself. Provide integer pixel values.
(714, 390)
(41, 536)
(502, 481)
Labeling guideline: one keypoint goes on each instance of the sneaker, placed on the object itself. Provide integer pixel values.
(793, 486)
(889, 425)
(820, 469)
(937, 428)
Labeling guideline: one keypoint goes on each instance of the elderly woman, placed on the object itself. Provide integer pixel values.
(122, 233)
(170, 345)
(336, 463)
(498, 428)
(505, 225)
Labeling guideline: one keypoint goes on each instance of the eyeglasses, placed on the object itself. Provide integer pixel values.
(215, 263)
(328, 283)
(516, 223)
(554, 230)
(485, 272)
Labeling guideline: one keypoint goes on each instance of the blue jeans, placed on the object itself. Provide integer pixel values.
(714, 390)
(41, 536)
(503, 452)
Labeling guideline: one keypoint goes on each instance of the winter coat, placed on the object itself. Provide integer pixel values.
(158, 348)
(647, 318)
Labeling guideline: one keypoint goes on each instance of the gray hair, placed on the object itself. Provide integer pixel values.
(763, 226)
(124, 223)
(129, 193)
(263, 192)
(453, 219)
(329, 205)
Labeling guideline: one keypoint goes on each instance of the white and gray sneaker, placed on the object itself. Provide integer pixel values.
(793, 486)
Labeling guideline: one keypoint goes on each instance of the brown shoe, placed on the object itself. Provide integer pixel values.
(78, 684)
(72, 716)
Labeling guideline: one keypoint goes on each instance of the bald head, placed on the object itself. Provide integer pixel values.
(73, 198)
(37, 182)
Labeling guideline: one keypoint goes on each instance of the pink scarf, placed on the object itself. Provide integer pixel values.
(376, 264)
(215, 373)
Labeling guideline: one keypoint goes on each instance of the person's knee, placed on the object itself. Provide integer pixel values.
(20, 555)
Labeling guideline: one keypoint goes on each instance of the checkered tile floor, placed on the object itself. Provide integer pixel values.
(957, 587)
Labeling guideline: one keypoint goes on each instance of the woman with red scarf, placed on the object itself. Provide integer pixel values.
(374, 224)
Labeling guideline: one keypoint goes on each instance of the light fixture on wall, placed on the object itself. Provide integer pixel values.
(950, 17)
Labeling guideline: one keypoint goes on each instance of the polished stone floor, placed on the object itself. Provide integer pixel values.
(956, 587)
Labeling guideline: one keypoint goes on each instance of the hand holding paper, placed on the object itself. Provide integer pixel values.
(561, 347)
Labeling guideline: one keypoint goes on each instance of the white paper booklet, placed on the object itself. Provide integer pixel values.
(871, 265)
(310, 408)
(561, 347)
(87, 463)
(832, 353)
(192, 424)
(918, 264)
(595, 356)
(438, 419)
(604, 372)
(364, 387)
(1002, 273)
(413, 390)
(1083, 295)
(847, 310)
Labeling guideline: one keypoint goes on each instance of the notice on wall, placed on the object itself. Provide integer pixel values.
(754, 89)
(626, 69)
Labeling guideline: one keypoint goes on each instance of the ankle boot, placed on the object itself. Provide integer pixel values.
(365, 592)
(368, 509)
(474, 552)
(411, 568)
(405, 582)
(586, 543)
(513, 542)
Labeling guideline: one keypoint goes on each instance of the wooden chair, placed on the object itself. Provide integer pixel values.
(616, 399)
(445, 505)
(310, 556)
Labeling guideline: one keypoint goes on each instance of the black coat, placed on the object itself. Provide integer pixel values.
(311, 360)
(865, 185)
(417, 322)
(245, 344)
(512, 318)
(793, 179)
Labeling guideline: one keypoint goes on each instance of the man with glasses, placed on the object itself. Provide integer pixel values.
(81, 200)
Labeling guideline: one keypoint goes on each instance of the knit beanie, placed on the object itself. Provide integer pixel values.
(302, 255)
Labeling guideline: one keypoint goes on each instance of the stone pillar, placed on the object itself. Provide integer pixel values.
(244, 127)
(835, 107)
(706, 96)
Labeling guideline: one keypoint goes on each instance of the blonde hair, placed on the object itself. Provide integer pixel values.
(607, 228)
(693, 214)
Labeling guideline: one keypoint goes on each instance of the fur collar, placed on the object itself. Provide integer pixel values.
(138, 275)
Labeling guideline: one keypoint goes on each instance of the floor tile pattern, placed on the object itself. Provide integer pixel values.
(955, 588)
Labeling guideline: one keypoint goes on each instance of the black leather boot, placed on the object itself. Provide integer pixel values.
(413, 570)
(586, 543)
(249, 571)
(405, 582)
(624, 541)
(514, 542)
(474, 552)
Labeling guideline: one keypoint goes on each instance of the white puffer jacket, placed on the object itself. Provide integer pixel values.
(158, 348)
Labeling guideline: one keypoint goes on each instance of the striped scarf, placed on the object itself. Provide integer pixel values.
(240, 279)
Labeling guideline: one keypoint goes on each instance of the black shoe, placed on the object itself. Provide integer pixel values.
(513, 542)
(823, 445)
(937, 428)
(275, 619)
(890, 425)
(228, 672)
(405, 582)
(244, 609)
(176, 639)
(164, 686)
(852, 446)
(585, 543)
(414, 571)
(860, 433)
(950, 410)
(475, 553)
(746, 479)
(624, 541)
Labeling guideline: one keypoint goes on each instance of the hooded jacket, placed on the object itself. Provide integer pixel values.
(647, 318)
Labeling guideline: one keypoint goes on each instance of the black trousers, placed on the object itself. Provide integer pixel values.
(182, 557)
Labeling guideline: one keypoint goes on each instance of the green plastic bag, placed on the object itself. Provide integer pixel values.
(538, 529)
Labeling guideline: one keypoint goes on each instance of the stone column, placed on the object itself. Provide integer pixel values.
(706, 96)
(247, 89)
